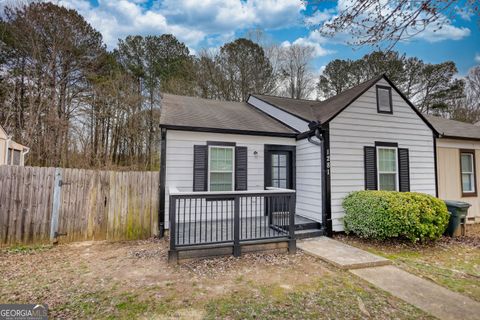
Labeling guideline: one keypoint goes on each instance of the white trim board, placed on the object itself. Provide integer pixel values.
(282, 116)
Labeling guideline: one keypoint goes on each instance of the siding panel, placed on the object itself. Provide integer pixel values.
(179, 162)
(360, 125)
(309, 180)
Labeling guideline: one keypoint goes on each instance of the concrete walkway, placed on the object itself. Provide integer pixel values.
(425, 295)
(339, 254)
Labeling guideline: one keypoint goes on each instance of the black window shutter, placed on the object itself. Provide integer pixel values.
(200, 168)
(370, 159)
(403, 170)
(241, 162)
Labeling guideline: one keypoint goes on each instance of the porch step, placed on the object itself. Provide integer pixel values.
(308, 226)
(302, 223)
(308, 233)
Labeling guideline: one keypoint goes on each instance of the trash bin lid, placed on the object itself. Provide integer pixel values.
(457, 204)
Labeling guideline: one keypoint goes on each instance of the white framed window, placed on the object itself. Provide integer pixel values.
(387, 168)
(467, 167)
(221, 164)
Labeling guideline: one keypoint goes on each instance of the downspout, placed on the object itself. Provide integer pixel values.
(163, 168)
(24, 153)
(322, 134)
(435, 158)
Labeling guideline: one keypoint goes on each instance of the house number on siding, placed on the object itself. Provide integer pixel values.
(328, 161)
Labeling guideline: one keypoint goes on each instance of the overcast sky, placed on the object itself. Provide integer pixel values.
(210, 23)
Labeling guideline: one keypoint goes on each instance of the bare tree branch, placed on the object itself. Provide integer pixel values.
(385, 23)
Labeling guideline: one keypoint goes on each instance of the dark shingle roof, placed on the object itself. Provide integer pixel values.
(454, 129)
(322, 111)
(298, 107)
(326, 110)
(183, 111)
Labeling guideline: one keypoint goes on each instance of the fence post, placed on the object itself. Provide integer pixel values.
(236, 227)
(172, 208)
(57, 190)
(292, 242)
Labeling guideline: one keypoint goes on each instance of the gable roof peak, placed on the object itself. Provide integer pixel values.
(326, 110)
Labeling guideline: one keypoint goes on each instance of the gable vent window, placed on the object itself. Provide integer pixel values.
(384, 100)
(467, 167)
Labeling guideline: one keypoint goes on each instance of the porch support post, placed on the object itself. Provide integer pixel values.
(172, 253)
(326, 183)
(236, 228)
(292, 242)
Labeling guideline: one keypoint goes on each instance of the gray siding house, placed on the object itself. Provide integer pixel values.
(368, 137)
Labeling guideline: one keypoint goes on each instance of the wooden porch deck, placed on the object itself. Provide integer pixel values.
(213, 223)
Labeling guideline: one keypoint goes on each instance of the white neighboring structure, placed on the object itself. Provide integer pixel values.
(11, 152)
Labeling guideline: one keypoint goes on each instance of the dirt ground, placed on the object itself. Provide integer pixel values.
(451, 262)
(129, 280)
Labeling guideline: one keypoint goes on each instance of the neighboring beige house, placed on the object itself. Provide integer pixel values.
(11, 152)
(458, 163)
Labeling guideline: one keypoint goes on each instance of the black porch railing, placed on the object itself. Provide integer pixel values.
(213, 219)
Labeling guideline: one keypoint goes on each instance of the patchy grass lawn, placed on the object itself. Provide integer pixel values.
(130, 280)
(451, 262)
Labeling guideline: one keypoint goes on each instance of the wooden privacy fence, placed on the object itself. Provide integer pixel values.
(39, 205)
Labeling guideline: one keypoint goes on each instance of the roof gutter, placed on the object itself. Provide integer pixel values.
(444, 136)
(230, 131)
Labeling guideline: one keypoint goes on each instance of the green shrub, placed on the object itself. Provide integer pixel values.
(388, 214)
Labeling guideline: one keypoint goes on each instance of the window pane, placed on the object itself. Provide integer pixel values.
(383, 99)
(220, 181)
(275, 173)
(275, 183)
(388, 182)
(387, 160)
(221, 159)
(467, 182)
(282, 173)
(274, 159)
(283, 184)
(228, 164)
(467, 163)
(214, 155)
(283, 160)
(16, 157)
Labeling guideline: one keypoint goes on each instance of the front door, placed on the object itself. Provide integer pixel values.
(279, 173)
(279, 167)
(280, 170)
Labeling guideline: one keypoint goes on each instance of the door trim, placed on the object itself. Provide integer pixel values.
(268, 149)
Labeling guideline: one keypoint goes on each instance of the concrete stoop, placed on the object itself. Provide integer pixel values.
(425, 295)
